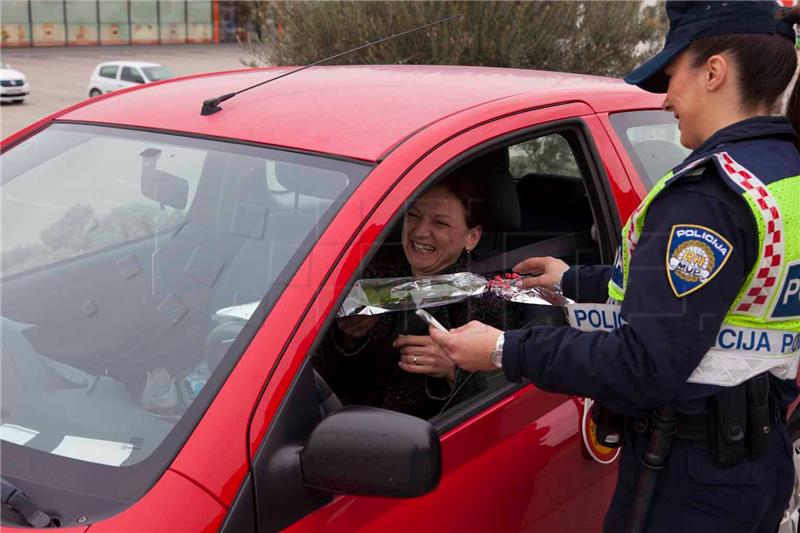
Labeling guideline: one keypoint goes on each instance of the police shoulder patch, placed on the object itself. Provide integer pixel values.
(695, 254)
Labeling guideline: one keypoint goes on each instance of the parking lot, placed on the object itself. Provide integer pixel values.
(58, 77)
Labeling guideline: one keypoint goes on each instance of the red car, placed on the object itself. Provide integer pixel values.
(166, 276)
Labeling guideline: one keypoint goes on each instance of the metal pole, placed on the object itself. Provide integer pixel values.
(97, 22)
(66, 22)
(30, 23)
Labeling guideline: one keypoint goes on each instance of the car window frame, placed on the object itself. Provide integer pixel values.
(604, 211)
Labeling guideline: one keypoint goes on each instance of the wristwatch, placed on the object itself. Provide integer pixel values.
(497, 354)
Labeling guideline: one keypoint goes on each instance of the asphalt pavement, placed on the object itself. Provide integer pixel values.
(59, 77)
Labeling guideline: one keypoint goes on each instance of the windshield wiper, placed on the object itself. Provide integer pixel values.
(19, 502)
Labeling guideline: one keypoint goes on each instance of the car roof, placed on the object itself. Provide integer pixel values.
(359, 112)
(127, 63)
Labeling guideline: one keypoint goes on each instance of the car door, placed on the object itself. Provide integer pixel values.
(511, 459)
(106, 79)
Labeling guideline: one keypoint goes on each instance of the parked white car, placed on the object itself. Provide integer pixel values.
(113, 75)
(13, 85)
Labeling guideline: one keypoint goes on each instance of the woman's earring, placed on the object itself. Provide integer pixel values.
(468, 251)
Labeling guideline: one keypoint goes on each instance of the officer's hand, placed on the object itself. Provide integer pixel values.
(468, 346)
(547, 271)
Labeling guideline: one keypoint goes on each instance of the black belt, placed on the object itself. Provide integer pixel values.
(695, 427)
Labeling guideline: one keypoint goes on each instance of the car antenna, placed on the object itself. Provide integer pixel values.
(211, 105)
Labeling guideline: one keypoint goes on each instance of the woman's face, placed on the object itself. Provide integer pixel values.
(435, 232)
(686, 96)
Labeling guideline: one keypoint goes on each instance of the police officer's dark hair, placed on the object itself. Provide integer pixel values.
(770, 59)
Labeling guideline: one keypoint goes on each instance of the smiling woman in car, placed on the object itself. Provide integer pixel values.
(389, 360)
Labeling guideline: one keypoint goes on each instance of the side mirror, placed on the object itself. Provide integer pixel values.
(162, 187)
(372, 452)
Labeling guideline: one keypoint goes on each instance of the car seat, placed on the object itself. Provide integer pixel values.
(503, 205)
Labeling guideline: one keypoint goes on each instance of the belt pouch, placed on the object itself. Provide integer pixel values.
(610, 426)
(727, 425)
(759, 419)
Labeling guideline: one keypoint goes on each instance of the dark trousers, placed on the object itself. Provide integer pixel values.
(695, 495)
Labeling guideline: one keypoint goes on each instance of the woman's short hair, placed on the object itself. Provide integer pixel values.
(472, 191)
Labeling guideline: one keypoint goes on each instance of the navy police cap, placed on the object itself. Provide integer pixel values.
(692, 20)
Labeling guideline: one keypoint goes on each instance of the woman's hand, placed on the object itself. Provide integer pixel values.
(356, 327)
(547, 272)
(420, 355)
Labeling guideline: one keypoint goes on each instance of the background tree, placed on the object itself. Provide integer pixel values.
(596, 37)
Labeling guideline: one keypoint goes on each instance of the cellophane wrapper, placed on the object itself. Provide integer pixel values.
(383, 295)
(533, 296)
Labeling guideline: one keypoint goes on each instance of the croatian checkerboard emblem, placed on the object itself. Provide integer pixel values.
(695, 254)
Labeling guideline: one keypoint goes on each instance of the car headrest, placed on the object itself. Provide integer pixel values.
(554, 203)
(502, 210)
(659, 157)
(496, 161)
(533, 187)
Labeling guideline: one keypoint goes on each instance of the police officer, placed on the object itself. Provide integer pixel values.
(707, 340)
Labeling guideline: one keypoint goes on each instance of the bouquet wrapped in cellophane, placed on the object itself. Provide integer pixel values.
(384, 295)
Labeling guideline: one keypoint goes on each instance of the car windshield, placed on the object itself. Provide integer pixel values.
(157, 73)
(123, 253)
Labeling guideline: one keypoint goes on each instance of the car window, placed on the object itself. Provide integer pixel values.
(131, 74)
(652, 140)
(157, 73)
(131, 264)
(549, 154)
(360, 359)
(109, 71)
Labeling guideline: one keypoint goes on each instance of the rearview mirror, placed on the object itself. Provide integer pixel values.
(372, 452)
(162, 187)
(311, 181)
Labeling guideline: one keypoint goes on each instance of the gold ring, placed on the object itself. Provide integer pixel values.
(415, 360)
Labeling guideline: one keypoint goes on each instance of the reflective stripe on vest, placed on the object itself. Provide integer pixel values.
(737, 355)
(755, 297)
(758, 307)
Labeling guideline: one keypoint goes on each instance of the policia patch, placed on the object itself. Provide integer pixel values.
(695, 254)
